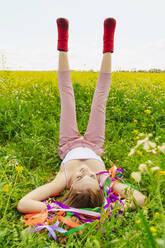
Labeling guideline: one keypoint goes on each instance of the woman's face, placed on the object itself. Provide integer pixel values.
(84, 179)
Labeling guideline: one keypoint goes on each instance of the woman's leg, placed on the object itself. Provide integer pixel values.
(68, 122)
(95, 132)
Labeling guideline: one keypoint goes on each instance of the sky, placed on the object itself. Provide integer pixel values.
(29, 33)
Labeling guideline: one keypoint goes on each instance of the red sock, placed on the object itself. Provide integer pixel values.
(62, 27)
(108, 37)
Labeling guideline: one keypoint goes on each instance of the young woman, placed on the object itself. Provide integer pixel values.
(80, 155)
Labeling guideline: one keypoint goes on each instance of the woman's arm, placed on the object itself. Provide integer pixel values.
(129, 193)
(32, 201)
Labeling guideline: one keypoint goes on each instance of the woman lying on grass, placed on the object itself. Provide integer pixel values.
(80, 155)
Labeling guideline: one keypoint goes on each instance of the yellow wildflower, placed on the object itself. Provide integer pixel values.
(135, 121)
(157, 214)
(153, 229)
(135, 131)
(162, 172)
(137, 221)
(6, 188)
(19, 169)
(147, 111)
(139, 152)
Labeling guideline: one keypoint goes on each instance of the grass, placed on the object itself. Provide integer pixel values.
(29, 136)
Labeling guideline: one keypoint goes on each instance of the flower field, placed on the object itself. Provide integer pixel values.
(134, 142)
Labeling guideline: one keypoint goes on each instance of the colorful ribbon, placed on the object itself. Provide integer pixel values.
(42, 220)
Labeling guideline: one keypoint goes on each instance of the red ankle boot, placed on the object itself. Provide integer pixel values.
(62, 26)
(108, 37)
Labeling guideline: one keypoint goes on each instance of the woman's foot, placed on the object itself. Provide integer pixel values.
(62, 27)
(108, 37)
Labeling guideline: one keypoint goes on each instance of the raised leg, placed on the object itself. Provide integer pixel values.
(95, 132)
(68, 121)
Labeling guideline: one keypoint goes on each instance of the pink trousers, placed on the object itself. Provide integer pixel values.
(94, 136)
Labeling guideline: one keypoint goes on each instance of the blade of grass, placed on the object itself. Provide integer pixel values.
(146, 227)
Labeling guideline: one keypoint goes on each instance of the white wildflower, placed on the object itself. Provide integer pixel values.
(131, 152)
(160, 242)
(6, 158)
(146, 146)
(136, 176)
(156, 168)
(162, 148)
(139, 142)
(141, 134)
(157, 138)
(152, 144)
(154, 151)
(149, 162)
(143, 167)
(13, 162)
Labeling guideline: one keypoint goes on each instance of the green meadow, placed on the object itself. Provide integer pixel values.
(134, 142)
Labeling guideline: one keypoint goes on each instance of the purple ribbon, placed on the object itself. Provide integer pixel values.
(60, 206)
(51, 229)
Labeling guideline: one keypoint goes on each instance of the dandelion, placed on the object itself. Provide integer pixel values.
(137, 221)
(147, 111)
(143, 167)
(153, 229)
(162, 172)
(6, 188)
(139, 153)
(19, 169)
(136, 176)
(157, 214)
(135, 121)
(135, 131)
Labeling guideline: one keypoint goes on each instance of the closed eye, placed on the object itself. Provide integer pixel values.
(93, 176)
(79, 177)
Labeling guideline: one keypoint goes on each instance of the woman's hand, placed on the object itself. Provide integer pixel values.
(129, 194)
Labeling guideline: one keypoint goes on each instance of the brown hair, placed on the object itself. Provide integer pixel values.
(84, 199)
(81, 199)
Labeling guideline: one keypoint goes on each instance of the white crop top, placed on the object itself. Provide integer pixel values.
(81, 153)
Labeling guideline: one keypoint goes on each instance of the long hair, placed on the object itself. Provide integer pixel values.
(83, 199)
